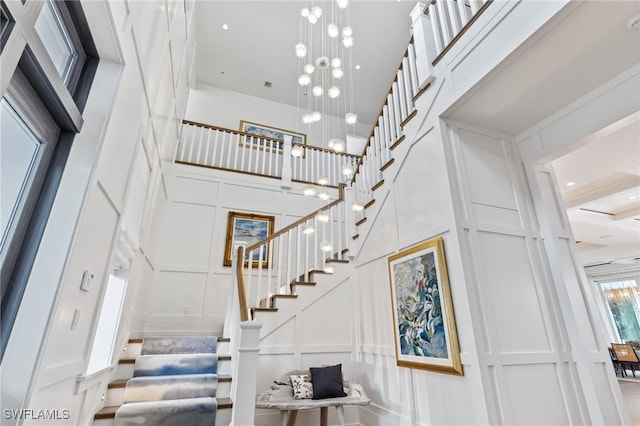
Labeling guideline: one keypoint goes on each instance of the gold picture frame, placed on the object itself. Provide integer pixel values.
(247, 228)
(425, 333)
(268, 138)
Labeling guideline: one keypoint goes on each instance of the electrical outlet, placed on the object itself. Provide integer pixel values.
(76, 318)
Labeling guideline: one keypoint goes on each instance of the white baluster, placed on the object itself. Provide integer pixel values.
(413, 71)
(259, 293)
(402, 96)
(475, 5)
(454, 18)
(445, 25)
(231, 147)
(435, 26)
(396, 110)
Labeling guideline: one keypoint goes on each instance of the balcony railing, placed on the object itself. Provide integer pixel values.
(204, 145)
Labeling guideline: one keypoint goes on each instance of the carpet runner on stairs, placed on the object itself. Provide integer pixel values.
(174, 383)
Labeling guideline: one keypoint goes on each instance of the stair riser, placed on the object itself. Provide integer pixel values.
(223, 348)
(114, 397)
(125, 371)
(224, 368)
(132, 350)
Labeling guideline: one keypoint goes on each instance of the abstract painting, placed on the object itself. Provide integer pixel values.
(424, 325)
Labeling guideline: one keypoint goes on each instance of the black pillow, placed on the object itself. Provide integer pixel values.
(327, 382)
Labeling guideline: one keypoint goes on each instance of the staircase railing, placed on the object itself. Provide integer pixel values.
(450, 19)
(293, 254)
(219, 148)
(387, 133)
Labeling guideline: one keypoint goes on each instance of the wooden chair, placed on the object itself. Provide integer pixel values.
(616, 364)
(626, 356)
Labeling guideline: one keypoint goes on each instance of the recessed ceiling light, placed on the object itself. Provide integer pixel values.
(570, 183)
(225, 27)
(357, 67)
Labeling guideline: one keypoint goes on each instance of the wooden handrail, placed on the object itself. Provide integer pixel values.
(299, 221)
(386, 99)
(242, 294)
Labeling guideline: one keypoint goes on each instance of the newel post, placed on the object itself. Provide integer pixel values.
(286, 161)
(243, 392)
(424, 45)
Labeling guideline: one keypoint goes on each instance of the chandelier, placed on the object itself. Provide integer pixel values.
(323, 52)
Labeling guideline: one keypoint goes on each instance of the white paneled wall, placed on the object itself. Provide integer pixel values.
(114, 178)
(189, 290)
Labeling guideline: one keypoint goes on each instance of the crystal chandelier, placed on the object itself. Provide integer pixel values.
(323, 51)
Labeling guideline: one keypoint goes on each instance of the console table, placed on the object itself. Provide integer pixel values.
(281, 397)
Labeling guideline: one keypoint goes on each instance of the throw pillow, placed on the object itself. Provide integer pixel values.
(327, 382)
(302, 387)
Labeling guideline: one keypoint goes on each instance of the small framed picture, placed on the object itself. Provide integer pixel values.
(247, 228)
(267, 138)
(425, 332)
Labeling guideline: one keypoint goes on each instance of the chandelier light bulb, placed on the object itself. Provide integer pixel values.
(338, 145)
(301, 50)
(304, 12)
(323, 195)
(317, 90)
(328, 268)
(347, 31)
(307, 119)
(326, 246)
(309, 191)
(337, 73)
(304, 80)
(322, 217)
(357, 207)
(323, 181)
(347, 170)
(322, 62)
(312, 18)
(351, 118)
(333, 30)
(336, 63)
(316, 116)
(347, 41)
(307, 230)
(308, 69)
(316, 11)
(333, 92)
(342, 4)
(297, 151)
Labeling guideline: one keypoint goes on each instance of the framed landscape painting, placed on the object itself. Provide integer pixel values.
(275, 137)
(247, 228)
(425, 333)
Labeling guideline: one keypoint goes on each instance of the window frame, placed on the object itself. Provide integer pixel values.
(29, 77)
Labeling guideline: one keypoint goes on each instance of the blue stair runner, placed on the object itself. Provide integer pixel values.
(174, 384)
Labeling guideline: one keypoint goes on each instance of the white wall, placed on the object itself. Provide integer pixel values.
(222, 108)
(189, 290)
(112, 180)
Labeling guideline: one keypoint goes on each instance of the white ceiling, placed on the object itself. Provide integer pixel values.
(600, 185)
(259, 47)
(570, 57)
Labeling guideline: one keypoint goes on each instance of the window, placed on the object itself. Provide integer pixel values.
(623, 303)
(108, 321)
(38, 123)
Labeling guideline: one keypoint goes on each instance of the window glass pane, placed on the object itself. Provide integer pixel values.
(55, 39)
(105, 337)
(623, 300)
(18, 152)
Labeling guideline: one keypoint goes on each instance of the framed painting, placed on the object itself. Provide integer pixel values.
(247, 228)
(269, 138)
(425, 333)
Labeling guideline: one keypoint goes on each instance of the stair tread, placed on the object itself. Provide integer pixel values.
(127, 360)
(109, 412)
(285, 296)
(118, 384)
(304, 283)
(337, 261)
(361, 221)
(136, 340)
